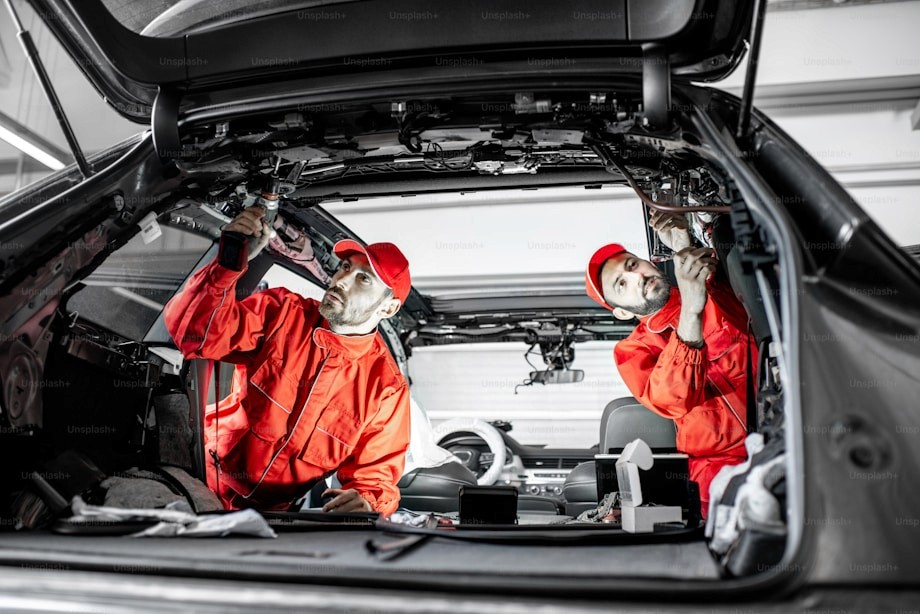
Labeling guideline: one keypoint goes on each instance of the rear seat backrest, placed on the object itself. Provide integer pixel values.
(626, 419)
(623, 420)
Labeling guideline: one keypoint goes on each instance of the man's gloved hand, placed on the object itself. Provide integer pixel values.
(692, 267)
(672, 228)
(252, 222)
(345, 501)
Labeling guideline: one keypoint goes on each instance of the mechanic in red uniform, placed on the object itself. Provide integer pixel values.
(687, 358)
(315, 389)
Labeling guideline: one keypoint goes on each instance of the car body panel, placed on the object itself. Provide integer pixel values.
(701, 39)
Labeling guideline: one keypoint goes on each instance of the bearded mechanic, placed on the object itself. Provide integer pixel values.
(687, 359)
(315, 389)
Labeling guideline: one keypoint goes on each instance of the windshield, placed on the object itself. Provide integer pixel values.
(485, 380)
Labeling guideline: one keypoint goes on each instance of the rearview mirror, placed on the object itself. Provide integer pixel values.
(557, 376)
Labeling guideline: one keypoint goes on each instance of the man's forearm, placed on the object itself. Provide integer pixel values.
(690, 327)
(206, 321)
(191, 314)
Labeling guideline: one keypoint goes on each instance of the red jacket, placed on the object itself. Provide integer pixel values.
(305, 401)
(703, 390)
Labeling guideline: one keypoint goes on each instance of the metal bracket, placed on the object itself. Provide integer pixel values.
(656, 85)
(164, 123)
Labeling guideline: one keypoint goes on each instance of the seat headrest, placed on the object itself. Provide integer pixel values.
(626, 419)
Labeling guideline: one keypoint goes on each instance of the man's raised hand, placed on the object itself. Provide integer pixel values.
(251, 222)
(672, 228)
(692, 267)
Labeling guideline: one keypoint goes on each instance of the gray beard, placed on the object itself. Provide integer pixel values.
(653, 304)
(341, 318)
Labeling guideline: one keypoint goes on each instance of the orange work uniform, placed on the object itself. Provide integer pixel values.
(703, 390)
(305, 402)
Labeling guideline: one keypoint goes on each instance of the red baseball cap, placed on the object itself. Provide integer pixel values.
(388, 263)
(593, 272)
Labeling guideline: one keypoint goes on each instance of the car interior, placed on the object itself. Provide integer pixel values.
(123, 426)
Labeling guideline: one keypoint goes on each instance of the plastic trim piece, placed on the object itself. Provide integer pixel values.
(164, 124)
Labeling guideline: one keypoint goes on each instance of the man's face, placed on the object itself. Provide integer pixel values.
(355, 296)
(634, 284)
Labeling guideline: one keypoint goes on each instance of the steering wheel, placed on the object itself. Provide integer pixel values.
(487, 433)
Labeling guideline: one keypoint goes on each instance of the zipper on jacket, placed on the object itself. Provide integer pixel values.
(293, 430)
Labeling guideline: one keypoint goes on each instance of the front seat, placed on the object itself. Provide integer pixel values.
(434, 489)
(623, 420)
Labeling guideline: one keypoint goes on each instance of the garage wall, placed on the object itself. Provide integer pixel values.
(844, 81)
(869, 148)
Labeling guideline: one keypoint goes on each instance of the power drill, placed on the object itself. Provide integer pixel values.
(236, 248)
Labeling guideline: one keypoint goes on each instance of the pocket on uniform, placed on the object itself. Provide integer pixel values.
(271, 399)
(729, 361)
(334, 438)
(699, 432)
(705, 431)
(726, 340)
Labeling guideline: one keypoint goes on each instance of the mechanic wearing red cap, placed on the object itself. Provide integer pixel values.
(315, 389)
(687, 358)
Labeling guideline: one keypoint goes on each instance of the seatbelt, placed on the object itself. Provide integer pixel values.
(213, 452)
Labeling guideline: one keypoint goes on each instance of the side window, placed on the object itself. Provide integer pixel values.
(129, 290)
(278, 276)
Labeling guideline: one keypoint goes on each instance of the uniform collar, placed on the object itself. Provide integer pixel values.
(665, 317)
(351, 346)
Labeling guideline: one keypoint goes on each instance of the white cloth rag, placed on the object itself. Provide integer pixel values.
(177, 520)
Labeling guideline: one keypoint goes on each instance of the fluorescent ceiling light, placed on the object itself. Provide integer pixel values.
(30, 149)
(32, 144)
